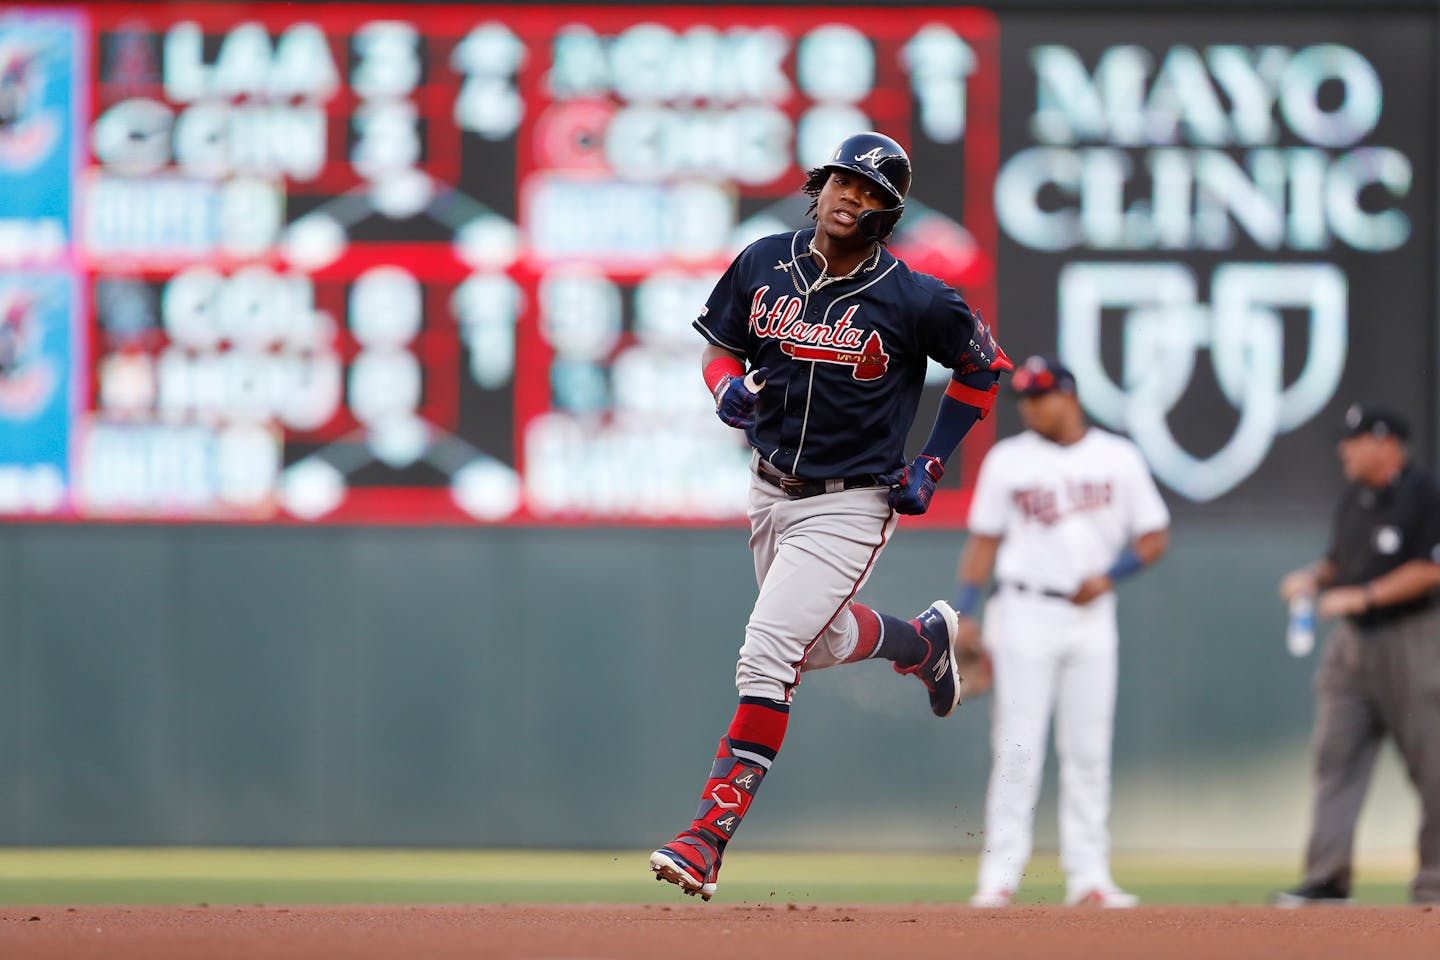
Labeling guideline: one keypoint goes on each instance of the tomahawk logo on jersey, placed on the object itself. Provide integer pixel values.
(846, 356)
(840, 342)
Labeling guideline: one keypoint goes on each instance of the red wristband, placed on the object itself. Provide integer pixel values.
(720, 368)
(982, 400)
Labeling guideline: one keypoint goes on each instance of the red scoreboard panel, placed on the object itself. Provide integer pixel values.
(404, 263)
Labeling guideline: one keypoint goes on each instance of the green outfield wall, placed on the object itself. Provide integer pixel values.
(167, 685)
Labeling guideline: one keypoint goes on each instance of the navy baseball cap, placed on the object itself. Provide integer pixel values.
(1041, 374)
(1377, 421)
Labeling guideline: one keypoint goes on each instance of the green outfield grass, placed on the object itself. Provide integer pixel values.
(71, 876)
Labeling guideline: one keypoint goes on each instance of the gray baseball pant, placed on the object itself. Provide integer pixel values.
(1373, 682)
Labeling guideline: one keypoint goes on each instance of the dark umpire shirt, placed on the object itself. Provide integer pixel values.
(1378, 530)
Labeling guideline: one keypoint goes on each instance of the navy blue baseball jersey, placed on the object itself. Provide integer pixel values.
(845, 357)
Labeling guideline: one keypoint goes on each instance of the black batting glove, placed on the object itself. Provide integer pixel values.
(915, 486)
(735, 398)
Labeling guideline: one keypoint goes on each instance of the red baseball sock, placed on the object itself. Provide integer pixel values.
(868, 621)
(886, 637)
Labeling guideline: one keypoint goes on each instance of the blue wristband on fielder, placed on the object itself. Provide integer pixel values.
(1127, 563)
(967, 598)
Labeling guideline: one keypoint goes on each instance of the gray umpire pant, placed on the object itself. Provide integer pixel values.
(1376, 681)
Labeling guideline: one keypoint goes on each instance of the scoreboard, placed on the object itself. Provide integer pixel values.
(427, 263)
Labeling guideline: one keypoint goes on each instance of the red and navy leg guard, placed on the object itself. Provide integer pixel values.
(728, 793)
(741, 762)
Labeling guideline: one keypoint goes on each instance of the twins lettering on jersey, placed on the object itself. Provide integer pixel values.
(839, 342)
(1049, 505)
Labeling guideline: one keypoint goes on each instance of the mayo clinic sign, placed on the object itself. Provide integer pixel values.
(1206, 203)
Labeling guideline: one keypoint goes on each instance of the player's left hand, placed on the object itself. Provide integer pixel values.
(915, 486)
(1090, 588)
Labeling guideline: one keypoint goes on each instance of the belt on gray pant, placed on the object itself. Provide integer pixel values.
(797, 488)
(1022, 587)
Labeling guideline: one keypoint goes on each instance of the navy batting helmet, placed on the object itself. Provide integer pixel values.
(883, 161)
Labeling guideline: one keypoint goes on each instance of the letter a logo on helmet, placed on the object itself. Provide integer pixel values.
(884, 162)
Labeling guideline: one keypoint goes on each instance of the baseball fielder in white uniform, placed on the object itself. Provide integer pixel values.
(1060, 513)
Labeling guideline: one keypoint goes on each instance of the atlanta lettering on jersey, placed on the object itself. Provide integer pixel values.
(1048, 505)
(839, 342)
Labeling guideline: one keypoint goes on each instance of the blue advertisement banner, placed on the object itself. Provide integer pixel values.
(43, 83)
(37, 379)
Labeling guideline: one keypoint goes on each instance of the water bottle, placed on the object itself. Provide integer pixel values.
(1300, 633)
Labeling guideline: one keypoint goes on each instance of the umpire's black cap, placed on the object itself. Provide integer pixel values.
(1041, 374)
(1377, 421)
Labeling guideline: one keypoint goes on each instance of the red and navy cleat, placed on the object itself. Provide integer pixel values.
(691, 862)
(938, 626)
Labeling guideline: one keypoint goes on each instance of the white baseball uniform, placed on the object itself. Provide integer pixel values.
(1063, 513)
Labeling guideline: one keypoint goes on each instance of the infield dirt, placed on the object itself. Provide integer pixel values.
(705, 931)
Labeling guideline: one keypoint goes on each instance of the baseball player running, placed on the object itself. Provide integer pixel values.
(1061, 513)
(835, 333)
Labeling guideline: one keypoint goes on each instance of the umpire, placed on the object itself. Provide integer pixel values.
(1380, 674)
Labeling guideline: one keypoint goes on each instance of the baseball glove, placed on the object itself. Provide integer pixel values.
(972, 662)
(977, 674)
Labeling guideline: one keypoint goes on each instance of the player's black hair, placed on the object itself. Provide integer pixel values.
(815, 179)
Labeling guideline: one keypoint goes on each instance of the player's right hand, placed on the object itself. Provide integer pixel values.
(1298, 582)
(914, 487)
(735, 398)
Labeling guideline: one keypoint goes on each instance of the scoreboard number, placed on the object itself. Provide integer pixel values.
(428, 263)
